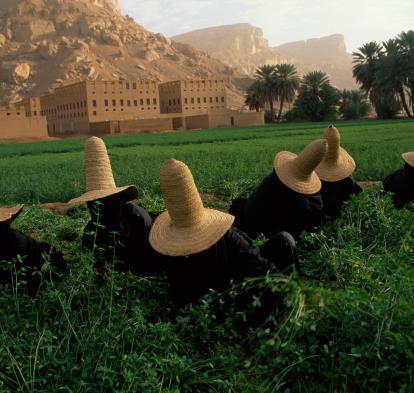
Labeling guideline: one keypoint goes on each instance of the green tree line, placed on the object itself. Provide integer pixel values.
(385, 73)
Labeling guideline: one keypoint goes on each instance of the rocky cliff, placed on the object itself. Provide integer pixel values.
(243, 46)
(46, 43)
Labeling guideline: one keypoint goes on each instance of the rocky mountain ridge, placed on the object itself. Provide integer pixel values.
(245, 48)
(47, 43)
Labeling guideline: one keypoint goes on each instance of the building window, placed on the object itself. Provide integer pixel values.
(205, 100)
(174, 101)
(129, 102)
(169, 102)
(217, 100)
(198, 100)
(127, 86)
(113, 102)
(35, 113)
(94, 113)
(148, 101)
(185, 101)
(222, 99)
(121, 102)
(192, 100)
(94, 103)
(135, 102)
(211, 99)
(134, 86)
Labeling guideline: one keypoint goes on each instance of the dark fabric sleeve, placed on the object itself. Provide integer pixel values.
(245, 258)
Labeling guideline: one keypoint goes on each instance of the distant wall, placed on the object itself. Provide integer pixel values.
(195, 122)
(244, 119)
(131, 126)
(25, 127)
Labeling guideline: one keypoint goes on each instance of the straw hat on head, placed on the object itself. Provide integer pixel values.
(337, 164)
(98, 175)
(187, 227)
(409, 158)
(10, 213)
(298, 171)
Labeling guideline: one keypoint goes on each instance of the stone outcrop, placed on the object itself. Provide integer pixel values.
(54, 42)
(243, 46)
(20, 73)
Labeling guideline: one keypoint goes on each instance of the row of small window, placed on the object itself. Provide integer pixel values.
(17, 113)
(50, 111)
(122, 109)
(129, 85)
(120, 92)
(192, 100)
(128, 102)
(72, 115)
(71, 106)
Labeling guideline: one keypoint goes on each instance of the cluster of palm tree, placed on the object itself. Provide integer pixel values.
(274, 83)
(386, 74)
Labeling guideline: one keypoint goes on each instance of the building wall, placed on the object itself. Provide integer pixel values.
(66, 110)
(195, 122)
(19, 126)
(170, 97)
(137, 126)
(122, 100)
(192, 96)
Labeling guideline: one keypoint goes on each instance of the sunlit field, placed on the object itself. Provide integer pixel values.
(351, 330)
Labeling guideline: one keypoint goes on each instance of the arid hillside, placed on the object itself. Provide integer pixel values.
(244, 47)
(46, 43)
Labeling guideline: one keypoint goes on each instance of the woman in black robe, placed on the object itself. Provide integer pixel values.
(401, 182)
(22, 257)
(200, 247)
(118, 230)
(286, 200)
(336, 171)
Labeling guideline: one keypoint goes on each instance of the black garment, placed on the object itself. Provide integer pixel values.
(274, 207)
(401, 184)
(334, 194)
(28, 255)
(119, 232)
(233, 258)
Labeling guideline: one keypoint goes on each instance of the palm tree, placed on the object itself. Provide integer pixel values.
(265, 76)
(254, 97)
(366, 61)
(405, 41)
(317, 98)
(287, 83)
(391, 73)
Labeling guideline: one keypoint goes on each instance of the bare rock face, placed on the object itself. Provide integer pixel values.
(243, 46)
(51, 42)
(20, 73)
(29, 30)
(3, 40)
(47, 49)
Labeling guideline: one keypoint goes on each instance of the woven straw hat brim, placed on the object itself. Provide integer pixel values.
(10, 213)
(283, 167)
(128, 193)
(409, 158)
(343, 167)
(170, 240)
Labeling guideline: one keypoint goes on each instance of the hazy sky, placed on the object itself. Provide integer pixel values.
(282, 20)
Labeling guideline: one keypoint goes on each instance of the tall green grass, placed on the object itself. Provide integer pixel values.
(350, 331)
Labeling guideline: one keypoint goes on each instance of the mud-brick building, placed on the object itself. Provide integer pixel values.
(192, 96)
(75, 108)
(16, 124)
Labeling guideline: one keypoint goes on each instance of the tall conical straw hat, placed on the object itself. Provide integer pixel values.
(10, 213)
(337, 164)
(409, 158)
(298, 171)
(187, 227)
(98, 175)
